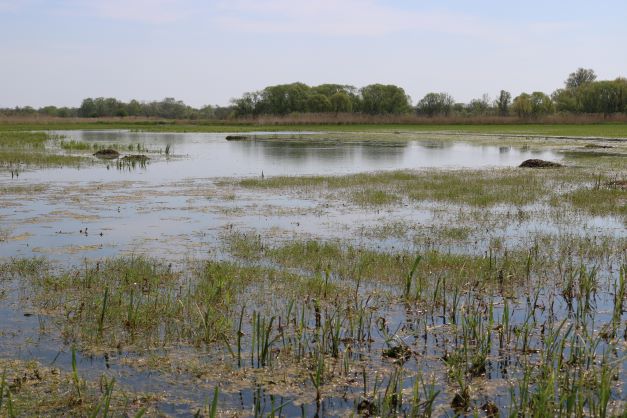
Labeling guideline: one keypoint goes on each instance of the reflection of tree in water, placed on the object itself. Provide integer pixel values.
(322, 150)
(436, 144)
(296, 150)
(378, 151)
(127, 138)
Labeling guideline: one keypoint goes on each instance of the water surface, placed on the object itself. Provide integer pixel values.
(210, 155)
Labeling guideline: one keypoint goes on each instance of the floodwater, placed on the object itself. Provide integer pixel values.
(176, 205)
(203, 155)
(181, 206)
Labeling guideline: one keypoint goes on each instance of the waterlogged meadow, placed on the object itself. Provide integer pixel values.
(391, 274)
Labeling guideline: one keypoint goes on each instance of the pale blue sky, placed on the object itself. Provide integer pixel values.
(206, 52)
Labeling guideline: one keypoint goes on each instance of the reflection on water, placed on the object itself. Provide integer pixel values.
(210, 155)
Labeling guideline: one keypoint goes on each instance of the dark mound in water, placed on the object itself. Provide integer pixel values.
(237, 137)
(107, 153)
(534, 163)
(618, 184)
(136, 158)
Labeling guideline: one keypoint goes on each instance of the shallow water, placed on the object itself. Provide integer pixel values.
(173, 205)
(180, 207)
(210, 155)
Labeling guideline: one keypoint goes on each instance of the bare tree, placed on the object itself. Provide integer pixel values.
(580, 77)
(503, 101)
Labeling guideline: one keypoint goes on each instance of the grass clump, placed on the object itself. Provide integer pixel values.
(18, 159)
(473, 187)
(374, 197)
(139, 302)
(598, 194)
(355, 263)
(28, 149)
(31, 389)
(599, 201)
(25, 267)
(17, 139)
(73, 145)
(22, 189)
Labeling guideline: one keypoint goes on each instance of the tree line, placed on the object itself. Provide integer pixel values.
(582, 94)
(168, 108)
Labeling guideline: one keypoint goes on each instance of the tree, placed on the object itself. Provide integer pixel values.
(171, 108)
(331, 89)
(341, 102)
(580, 77)
(541, 104)
(502, 102)
(340, 90)
(384, 99)
(435, 104)
(134, 108)
(318, 103)
(49, 111)
(605, 97)
(479, 106)
(87, 109)
(534, 104)
(565, 100)
(247, 105)
(522, 105)
(283, 99)
(206, 112)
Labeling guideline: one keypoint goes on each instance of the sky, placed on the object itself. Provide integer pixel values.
(58, 52)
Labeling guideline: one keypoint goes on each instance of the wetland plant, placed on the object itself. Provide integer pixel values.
(410, 277)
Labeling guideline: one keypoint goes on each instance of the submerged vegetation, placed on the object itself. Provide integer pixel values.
(393, 333)
(31, 389)
(20, 149)
(587, 191)
(506, 299)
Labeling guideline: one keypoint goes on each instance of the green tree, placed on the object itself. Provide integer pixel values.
(247, 105)
(480, 106)
(384, 99)
(49, 111)
(331, 89)
(318, 103)
(605, 97)
(341, 102)
(522, 106)
(87, 109)
(541, 104)
(532, 105)
(283, 99)
(565, 100)
(134, 108)
(344, 91)
(170, 108)
(435, 104)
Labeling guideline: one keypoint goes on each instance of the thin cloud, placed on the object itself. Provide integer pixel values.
(14, 5)
(145, 11)
(330, 17)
